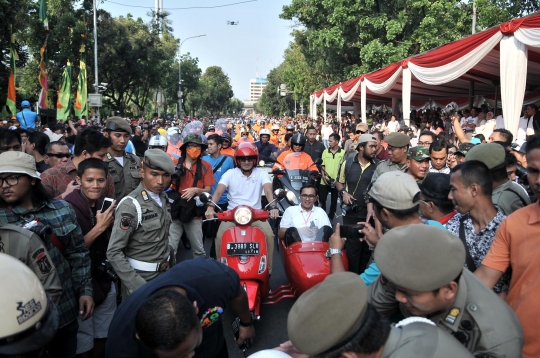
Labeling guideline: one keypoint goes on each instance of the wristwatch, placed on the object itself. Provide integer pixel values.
(332, 252)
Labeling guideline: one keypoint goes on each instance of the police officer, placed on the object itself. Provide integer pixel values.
(29, 316)
(123, 166)
(28, 248)
(26, 117)
(139, 246)
(398, 146)
(422, 274)
(319, 325)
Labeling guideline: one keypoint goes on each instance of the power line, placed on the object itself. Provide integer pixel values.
(185, 8)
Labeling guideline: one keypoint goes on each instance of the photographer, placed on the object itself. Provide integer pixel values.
(140, 140)
(94, 223)
(353, 180)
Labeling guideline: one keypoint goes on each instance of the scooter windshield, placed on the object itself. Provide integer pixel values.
(294, 165)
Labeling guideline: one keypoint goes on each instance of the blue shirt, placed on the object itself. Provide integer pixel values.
(372, 271)
(27, 119)
(227, 164)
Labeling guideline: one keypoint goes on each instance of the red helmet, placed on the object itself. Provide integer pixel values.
(246, 149)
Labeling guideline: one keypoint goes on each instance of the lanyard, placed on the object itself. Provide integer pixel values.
(306, 220)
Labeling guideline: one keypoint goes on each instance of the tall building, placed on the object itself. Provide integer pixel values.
(256, 88)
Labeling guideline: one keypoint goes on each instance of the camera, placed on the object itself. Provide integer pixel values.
(354, 208)
(44, 232)
(105, 269)
(521, 172)
(179, 172)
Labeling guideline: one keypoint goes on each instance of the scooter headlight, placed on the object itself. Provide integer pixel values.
(242, 216)
(291, 197)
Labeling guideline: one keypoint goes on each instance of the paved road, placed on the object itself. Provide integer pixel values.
(272, 328)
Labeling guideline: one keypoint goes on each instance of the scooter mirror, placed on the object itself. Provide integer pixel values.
(204, 197)
(261, 163)
(279, 193)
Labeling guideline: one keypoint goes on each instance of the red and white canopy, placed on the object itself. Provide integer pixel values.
(508, 54)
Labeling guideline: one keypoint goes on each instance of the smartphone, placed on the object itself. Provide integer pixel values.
(107, 202)
(236, 329)
(351, 232)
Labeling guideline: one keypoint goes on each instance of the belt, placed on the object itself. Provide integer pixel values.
(149, 266)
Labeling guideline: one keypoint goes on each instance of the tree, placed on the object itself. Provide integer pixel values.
(217, 89)
(271, 102)
(234, 106)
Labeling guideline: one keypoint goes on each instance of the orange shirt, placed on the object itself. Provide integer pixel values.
(228, 151)
(241, 140)
(517, 244)
(207, 179)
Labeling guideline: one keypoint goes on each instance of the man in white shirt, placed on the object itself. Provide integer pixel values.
(305, 219)
(326, 130)
(245, 184)
(470, 124)
(393, 125)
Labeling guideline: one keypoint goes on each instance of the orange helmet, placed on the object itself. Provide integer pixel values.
(246, 150)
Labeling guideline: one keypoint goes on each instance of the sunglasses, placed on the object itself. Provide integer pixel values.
(59, 155)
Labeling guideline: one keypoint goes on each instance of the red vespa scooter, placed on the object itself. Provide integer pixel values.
(243, 248)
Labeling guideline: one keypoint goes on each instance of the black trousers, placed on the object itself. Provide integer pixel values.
(324, 190)
(64, 343)
(358, 252)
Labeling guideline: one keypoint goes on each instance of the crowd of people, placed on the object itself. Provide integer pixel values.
(96, 213)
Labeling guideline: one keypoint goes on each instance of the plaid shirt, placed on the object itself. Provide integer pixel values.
(56, 180)
(73, 264)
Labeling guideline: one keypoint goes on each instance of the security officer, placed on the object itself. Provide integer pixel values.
(29, 317)
(319, 326)
(139, 246)
(398, 146)
(123, 166)
(418, 163)
(28, 248)
(422, 274)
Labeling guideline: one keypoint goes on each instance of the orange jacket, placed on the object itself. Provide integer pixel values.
(236, 142)
(303, 161)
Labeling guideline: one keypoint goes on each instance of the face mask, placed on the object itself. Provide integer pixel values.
(194, 153)
(244, 137)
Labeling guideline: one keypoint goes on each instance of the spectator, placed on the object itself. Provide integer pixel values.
(10, 140)
(511, 166)
(60, 181)
(478, 219)
(313, 147)
(56, 153)
(462, 152)
(326, 130)
(434, 204)
(380, 153)
(393, 125)
(36, 147)
(140, 140)
(426, 138)
(332, 158)
(502, 136)
(26, 117)
(438, 152)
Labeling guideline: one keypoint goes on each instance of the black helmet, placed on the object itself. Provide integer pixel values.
(290, 127)
(298, 139)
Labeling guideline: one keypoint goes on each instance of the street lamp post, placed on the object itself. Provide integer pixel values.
(180, 74)
(96, 83)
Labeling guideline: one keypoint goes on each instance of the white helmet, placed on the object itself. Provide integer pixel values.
(275, 127)
(264, 132)
(270, 353)
(29, 317)
(157, 141)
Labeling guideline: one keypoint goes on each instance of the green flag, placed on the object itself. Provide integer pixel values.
(11, 93)
(43, 13)
(63, 104)
(81, 106)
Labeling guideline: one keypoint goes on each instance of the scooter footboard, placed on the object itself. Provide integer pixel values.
(253, 291)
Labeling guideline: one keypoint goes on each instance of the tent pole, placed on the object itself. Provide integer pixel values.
(495, 107)
(471, 94)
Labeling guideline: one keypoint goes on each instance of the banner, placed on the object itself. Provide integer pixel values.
(43, 74)
(81, 105)
(12, 92)
(63, 104)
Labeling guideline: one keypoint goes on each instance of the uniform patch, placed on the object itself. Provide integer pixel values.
(150, 216)
(133, 161)
(109, 156)
(451, 318)
(112, 171)
(42, 260)
(145, 195)
(125, 222)
(28, 310)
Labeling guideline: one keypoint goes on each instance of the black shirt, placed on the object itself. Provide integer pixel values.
(210, 283)
(140, 145)
(314, 150)
(41, 166)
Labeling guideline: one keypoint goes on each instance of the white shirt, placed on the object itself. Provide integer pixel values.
(393, 126)
(500, 122)
(525, 128)
(470, 121)
(306, 222)
(156, 197)
(326, 130)
(244, 190)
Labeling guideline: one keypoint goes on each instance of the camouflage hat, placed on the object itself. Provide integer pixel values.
(313, 328)
(159, 160)
(419, 153)
(117, 124)
(193, 138)
(420, 257)
(397, 140)
(491, 154)
(464, 148)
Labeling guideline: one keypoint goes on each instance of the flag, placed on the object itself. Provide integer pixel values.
(43, 14)
(63, 104)
(81, 106)
(43, 75)
(12, 93)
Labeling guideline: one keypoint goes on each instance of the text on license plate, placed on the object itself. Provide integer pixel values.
(242, 248)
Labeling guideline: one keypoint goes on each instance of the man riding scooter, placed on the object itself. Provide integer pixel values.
(266, 150)
(245, 184)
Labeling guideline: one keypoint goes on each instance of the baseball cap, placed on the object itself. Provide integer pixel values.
(436, 186)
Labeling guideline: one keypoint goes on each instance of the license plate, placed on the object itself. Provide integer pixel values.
(242, 248)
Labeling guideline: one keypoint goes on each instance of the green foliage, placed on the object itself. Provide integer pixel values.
(234, 106)
(216, 89)
(271, 102)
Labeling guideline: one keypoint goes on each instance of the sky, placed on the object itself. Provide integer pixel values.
(260, 34)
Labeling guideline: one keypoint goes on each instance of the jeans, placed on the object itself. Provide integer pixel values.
(194, 234)
(325, 142)
(64, 343)
(324, 190)
(358, 252)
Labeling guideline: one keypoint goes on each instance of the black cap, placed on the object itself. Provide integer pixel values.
(436, 186)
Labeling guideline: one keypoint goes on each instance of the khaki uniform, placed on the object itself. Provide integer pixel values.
(422, 340)
(510, 197)
(479, 319)
(388, 166)
(127, 177)
(146, 242)
(28, 248)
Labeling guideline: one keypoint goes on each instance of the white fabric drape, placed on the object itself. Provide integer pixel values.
(363, 95)
(513, 66)
(406, 95)
(529, 36)
(319, 100)
(347, 96)
(381, 88)
(449, 72)
(338, 105)
(331, 97)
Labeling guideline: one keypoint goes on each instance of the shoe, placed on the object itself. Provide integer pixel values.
(186, 243)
